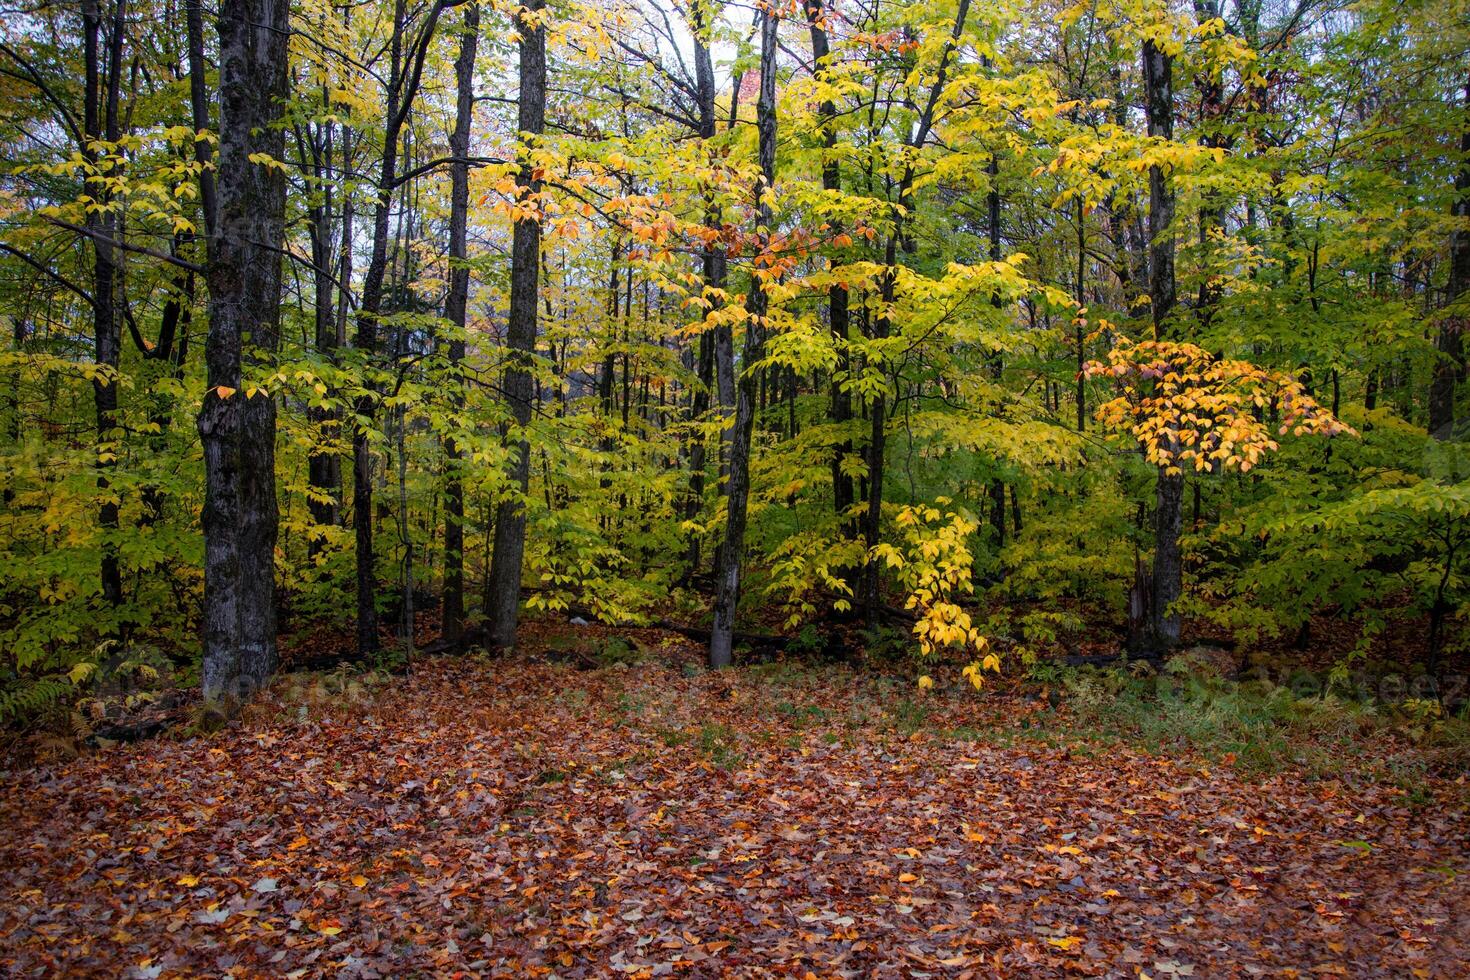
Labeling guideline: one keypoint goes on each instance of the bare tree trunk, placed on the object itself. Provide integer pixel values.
(872, 524)
(324, 466)
(737, 490)
(838, 319)
(100, 122)
(1212, 207)
(997, 364)
(1158, 76)
(1450, 366)
(503, 601)
(455, 311)
(238, 432)
(403, 83)
(714, 269)
(1168, 566)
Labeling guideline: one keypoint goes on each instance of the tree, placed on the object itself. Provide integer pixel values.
(237, 421)
(455, 312)
(1164, 582)
(757, 304)
(1449, 367)
(503, 590)
(1185, 406)
(406, 69)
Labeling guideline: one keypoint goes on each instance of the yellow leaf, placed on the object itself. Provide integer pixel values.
(925, 682)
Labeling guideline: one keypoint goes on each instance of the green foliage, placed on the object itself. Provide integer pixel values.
(1313, 226)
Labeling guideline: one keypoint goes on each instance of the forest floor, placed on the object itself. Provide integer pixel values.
(550, 815)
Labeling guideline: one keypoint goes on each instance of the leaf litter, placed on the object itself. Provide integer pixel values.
(516, 817)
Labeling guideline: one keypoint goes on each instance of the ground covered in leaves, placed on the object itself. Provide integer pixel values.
(533, 816)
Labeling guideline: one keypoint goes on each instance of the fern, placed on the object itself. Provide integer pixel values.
(28, 698)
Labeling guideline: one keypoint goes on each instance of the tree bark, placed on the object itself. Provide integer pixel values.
(100, 122)
(238, 432)
(1158, 83)
(838, 318)
(455, 311)
(757, 304)
(324, 466)
(872, 519)
(403, 83)
(1168, 567)
(1450, 365)
(714, 269)
(503, 600)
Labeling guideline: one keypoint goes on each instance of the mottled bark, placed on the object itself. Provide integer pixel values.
(455, 311)
(504, 598)
(1158, 84)
(713, 264)
(405, 72)
(737, 488)
(838, 319)
(1449, 368)
(1168, 567)
(100, 122)
(237, 431)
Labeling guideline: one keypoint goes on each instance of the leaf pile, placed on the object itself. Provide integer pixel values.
(519, 818)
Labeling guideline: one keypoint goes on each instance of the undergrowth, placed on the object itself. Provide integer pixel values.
(1266, 728)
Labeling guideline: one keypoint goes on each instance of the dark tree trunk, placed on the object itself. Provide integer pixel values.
(100, 122)
(1168, 567)
(199, 112)
(877, 417)
(403, 83)
(997, 363)
(1080, 295)
(455, 311)
(503, 601)
(1212, 207)
(837, 299)
(238, 432)
(324, 466)
(714, 269)
(737, 490)
(1158, 82)
(1449, 368)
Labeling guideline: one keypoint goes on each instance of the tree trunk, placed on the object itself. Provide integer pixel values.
(238, 432)
(503, 601)
(324, 466)
(837, 299)
(714, 270)
(1450, 365)
(737, 490)
(1168, 570)
(455, 311)
(403, 83)
(100, 122)
(1212, 207)
(1158, 81)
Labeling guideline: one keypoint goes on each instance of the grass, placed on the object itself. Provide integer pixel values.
(720, 744)
(1254, 726)
(1263, 728)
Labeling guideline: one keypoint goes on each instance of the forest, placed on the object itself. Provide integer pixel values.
(756, 488)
